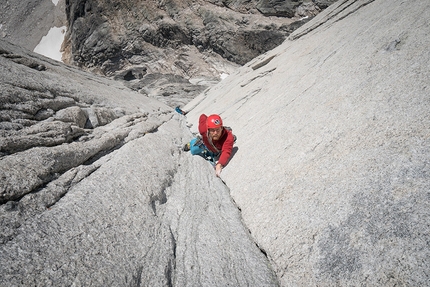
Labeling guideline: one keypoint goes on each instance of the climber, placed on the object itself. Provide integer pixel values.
(215, 143)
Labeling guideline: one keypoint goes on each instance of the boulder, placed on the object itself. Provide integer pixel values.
(72, 114)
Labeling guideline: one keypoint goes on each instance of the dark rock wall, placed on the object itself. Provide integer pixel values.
(100, 32)
(200, 41)
(190, 39)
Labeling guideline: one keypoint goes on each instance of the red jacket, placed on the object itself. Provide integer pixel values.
(224, 145)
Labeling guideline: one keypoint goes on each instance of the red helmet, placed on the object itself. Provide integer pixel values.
(213, 122)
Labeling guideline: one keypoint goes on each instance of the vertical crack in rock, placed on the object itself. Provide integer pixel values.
(212, 242)
(137, 279)
(161, 197)
(171, 264)
(262, 250)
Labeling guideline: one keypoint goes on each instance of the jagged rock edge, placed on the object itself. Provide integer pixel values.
(53, 175)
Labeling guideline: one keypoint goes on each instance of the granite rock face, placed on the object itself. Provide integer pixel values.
(332, 172)
(96, 191)
(99, 33)
(26, 22)
(328, 186)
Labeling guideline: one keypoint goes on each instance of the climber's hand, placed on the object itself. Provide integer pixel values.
(218, 169)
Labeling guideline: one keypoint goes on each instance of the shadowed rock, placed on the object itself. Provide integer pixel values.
(198, 41)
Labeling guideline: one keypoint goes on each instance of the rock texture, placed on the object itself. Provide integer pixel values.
(332, 171)
(171, 50)
(95, 189)
(26, 22)
(328, 186)
(174, 50)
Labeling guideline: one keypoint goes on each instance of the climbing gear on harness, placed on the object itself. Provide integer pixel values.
(186, 147)
(178, 110)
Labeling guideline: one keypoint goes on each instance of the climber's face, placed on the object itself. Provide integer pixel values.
(215, 134)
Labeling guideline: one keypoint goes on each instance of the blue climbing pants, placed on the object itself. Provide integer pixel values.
(200, 149)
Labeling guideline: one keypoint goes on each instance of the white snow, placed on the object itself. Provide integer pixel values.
(224, 75)
(50, 44)
(55, 2)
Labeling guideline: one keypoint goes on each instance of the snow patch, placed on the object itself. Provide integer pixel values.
(55, 2)
(50, 44)
(223, 76)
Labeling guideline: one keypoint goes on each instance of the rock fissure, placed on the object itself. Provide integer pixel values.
(69, 185)
(263, 63)
(244, 100)
(260, 75)
(333, 14)
(357, 5)
(15, 213)
(171, 265)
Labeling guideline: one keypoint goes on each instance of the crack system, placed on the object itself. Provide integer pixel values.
(59, 168)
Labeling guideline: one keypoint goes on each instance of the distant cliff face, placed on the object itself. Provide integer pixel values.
(24, 23)
(105, 35)
(169, 50)
(173, 50)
